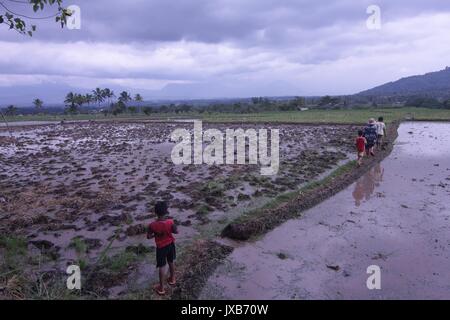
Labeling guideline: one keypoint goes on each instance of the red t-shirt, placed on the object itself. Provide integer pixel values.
(360, 144)
(163, 232)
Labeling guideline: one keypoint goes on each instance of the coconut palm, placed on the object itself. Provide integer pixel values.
(138, 98)
(38, 103)
(70, 99)
(111, 94)
(88, 98)
(124, 97)
(99, 96)
(108, 94)
(80, 99)
(72, 102)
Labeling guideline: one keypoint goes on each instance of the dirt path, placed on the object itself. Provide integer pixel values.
(396, 216)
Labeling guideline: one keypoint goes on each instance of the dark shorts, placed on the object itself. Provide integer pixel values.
(370, 145)
(165, 254)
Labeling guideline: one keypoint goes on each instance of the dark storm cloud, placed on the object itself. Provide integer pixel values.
(242, 45)
(216, 20)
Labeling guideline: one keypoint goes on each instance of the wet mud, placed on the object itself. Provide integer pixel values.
(395, 216)
(260, 221)
(73, 190)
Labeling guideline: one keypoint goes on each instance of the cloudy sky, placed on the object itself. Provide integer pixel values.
(229, 48)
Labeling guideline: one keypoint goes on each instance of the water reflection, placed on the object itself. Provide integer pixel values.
(365, 186)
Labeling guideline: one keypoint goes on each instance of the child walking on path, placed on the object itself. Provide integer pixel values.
(381, 132)
(162, 230)
(370, 133)
(360, 146)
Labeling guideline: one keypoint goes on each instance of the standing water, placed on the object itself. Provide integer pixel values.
(395, 217)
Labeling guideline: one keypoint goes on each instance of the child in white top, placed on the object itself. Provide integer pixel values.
(381, 131)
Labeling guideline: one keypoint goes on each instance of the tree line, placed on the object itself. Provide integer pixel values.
(75, 101)
(106, 102)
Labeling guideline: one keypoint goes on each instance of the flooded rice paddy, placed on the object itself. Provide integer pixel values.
(397, 216)
(76, 191)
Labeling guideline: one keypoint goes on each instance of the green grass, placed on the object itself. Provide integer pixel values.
(288, 196)
(204, 209)
(79, 245)
(121, 261)
(213, 189)
(13, 250)
(13, 245)
(21, 277)
(335, 116)
(309, 116)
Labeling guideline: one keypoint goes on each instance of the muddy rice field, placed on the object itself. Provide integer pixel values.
(395, 216)
(83, 193)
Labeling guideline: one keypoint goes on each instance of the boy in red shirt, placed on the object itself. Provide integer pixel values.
(360, 146)
(161, 229)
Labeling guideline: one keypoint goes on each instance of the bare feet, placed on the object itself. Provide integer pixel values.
(171, 281)
(159, 290)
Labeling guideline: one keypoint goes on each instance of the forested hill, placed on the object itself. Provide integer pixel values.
(433, 84)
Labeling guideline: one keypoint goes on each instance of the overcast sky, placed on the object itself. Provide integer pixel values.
(225, 48)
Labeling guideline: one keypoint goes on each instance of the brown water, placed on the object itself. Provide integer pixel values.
(396, 217)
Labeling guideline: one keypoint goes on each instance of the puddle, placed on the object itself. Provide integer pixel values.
(396, 217)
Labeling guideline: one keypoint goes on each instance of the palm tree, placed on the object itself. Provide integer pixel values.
(108, 94)
(88, 98)
(99, 96)
(124, 97)
(38, 103)
(81, 99)
(138, 98)
(111, 95)
(72, 100)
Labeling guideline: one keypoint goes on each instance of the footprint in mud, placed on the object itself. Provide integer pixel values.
(381, 256)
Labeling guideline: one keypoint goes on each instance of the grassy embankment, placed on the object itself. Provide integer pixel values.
(290, 205)
(309, 116)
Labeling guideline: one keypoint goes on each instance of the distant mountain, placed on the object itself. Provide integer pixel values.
(53, 94)
(433, 84)
(23, 96)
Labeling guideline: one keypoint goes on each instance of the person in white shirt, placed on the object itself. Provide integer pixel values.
(381, 131)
